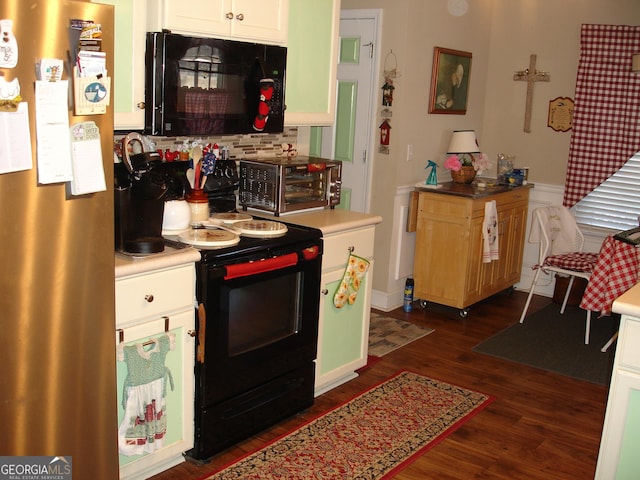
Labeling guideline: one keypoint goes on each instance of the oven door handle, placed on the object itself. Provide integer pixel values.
(260, 266)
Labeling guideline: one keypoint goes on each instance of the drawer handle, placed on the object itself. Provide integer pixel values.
(229, 15)
(149, 298)
(324, 292)
(191, 333)
(240, 17)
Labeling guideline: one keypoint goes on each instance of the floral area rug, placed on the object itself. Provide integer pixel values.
(387, 334)
(372, 436)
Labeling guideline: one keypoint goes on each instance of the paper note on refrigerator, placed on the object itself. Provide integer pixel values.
(15, 140)
(86, 159)
(52, 132)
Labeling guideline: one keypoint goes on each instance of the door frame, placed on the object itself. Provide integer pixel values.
(376, 16)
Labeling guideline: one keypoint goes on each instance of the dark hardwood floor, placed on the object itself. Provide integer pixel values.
(540, 426)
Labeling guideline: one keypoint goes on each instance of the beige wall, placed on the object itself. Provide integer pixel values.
(550, 29)
(501, 35)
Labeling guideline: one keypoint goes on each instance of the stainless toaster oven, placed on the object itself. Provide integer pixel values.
(289, 184)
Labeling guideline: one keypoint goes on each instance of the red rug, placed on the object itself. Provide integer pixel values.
(373, 436)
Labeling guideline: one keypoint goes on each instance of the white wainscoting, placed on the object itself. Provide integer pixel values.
(403, 247)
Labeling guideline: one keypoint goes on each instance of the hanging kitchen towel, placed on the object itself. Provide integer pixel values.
(144, 391)
(490, 233)
(348, 289)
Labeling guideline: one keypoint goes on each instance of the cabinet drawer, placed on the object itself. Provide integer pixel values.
(503, 200)
(155, 293)
(337, 247)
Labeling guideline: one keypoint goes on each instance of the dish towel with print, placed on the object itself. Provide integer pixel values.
(490, 233)
(144, 422)
(561, 225)
(347, 291)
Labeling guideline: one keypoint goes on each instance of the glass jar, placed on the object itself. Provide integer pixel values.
(505, 166)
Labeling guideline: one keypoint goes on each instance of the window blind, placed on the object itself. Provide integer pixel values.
(615, 203)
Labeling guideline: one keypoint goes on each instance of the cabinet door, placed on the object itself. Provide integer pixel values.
(517, 232)
(478, 274)
(265, 20)
(618, 449)
(312, 62)
(190, 16)
(253, 20)
(129, 63)
(505, 272)
(178, 398)
(445, 241)
(343, 333)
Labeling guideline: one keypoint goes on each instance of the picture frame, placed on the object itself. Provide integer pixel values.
(450, 81)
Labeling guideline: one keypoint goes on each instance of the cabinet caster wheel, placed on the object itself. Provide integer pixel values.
(464, 313)
(423, 304)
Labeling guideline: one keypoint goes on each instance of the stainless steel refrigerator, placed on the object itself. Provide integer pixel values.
(57, 356)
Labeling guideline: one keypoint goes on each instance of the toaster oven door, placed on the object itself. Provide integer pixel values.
(304, 188)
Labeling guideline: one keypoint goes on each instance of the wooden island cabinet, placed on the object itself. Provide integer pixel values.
(448, 267)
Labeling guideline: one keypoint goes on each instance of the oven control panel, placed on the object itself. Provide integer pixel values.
(224, 177)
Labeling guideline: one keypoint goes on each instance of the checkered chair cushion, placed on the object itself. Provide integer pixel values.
(575, 261)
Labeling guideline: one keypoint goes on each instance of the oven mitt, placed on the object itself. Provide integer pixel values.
(348, 289)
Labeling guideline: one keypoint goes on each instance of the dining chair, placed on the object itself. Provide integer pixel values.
(561, 243)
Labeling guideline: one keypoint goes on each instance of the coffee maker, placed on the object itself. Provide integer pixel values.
(139, 188)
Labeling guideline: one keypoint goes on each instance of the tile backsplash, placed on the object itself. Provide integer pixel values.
(259, 145)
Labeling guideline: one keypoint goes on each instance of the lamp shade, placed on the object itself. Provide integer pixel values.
(463, 141)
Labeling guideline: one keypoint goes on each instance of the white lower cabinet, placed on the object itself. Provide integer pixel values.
(154, 328)
(618, 458)
(343, 335)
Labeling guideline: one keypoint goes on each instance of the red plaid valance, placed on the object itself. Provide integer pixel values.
(606, 120)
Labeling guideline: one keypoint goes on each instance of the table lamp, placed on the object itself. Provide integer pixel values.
(463, 142)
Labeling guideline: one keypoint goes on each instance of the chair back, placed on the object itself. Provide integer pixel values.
(555, 228)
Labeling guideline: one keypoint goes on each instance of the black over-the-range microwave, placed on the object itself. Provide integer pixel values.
(209, 86)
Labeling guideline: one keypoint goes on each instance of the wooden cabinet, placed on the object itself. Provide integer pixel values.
(129, 63)
(312, 62)
(448, 266)
(343, 336)
(251, 20)
(150, 306)
(618, 456)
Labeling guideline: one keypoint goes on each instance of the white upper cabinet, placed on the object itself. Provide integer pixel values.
(251, 20)
(128, 77)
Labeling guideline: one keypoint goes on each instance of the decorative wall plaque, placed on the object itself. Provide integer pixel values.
(560, 114)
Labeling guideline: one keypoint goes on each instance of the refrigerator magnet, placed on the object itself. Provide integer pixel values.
(8, 45)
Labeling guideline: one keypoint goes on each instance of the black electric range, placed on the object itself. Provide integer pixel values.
(259, 300)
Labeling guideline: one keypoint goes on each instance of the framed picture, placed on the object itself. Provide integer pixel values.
(450, 81)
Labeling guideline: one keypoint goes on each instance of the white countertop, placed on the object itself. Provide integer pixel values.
(327, 220)
(127, 265)
(629, 302)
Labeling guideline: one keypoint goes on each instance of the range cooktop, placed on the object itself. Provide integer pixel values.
(253, 248)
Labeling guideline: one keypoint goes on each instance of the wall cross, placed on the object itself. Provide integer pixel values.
(530, 75)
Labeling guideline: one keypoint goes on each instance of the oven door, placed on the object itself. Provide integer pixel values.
(261, 322)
